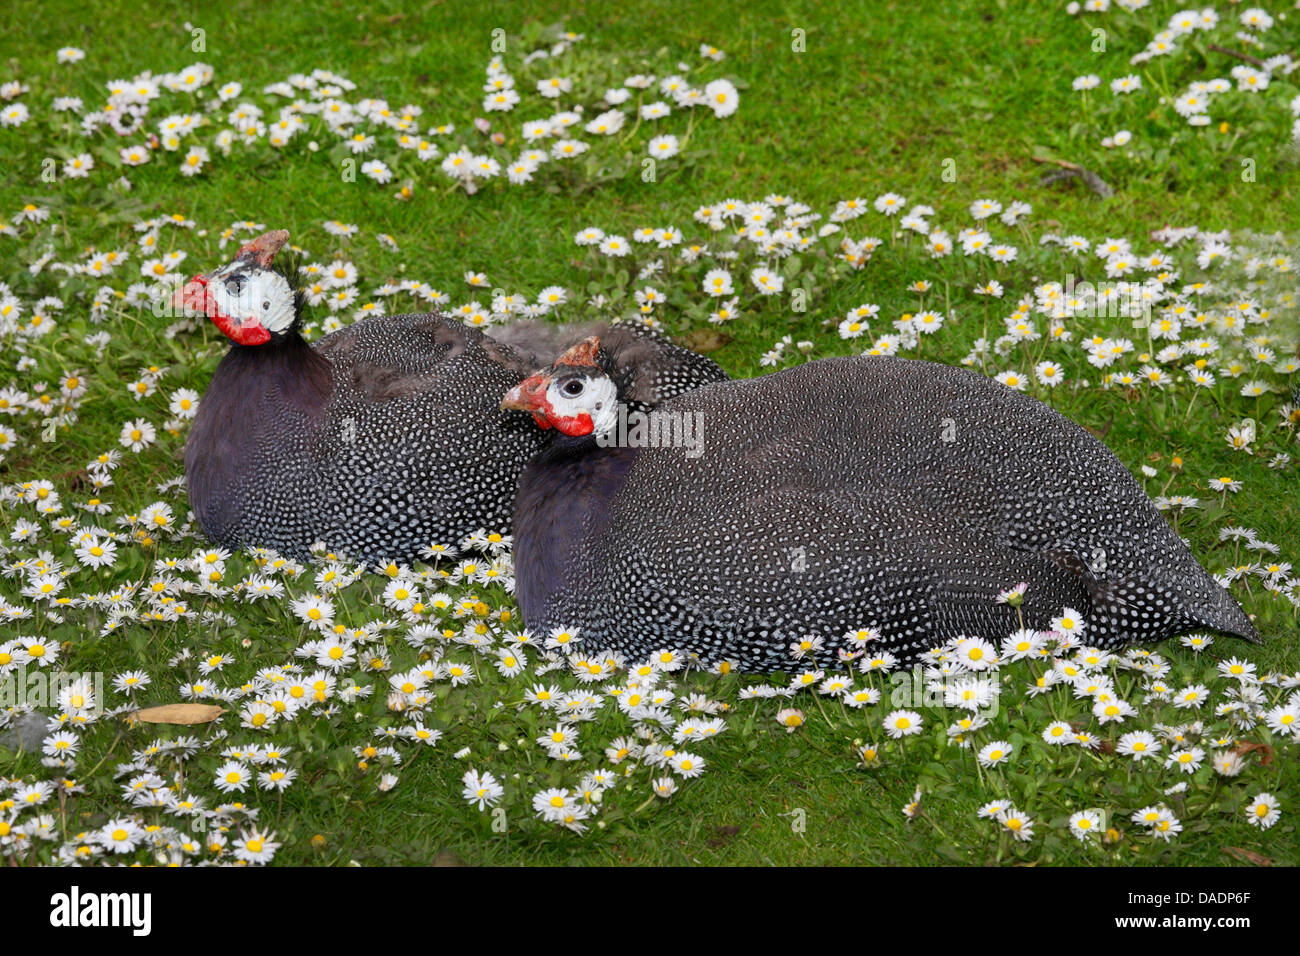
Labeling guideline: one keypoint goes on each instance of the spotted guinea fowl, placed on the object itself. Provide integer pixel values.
(839, 495)
(381, 438)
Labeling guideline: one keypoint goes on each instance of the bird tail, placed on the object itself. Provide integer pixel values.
(1136, 608)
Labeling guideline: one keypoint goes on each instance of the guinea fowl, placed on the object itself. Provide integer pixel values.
(836, 496)
(381, 438)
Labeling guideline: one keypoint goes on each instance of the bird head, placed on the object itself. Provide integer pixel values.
(247, 299)
(576, 396)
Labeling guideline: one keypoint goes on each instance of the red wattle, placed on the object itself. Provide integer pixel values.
(251, 333)
(574, 425)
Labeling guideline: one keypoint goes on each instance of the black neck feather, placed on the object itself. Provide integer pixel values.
(258, 394)
(562, 507)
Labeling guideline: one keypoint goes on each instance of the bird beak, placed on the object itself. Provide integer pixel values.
(192, 298)
(528, 396)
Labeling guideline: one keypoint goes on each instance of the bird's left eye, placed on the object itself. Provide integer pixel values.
(572, 387)
(235, 285)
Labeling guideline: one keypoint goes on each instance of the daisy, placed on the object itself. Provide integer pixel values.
(1058, 733)
(194, 161)
(663, 147)
(1138, 744)
(14, 115)
(97, 553)
(977, 653)
(1049, 374)
(687, 764)
(790, 718)
(928, 322)
(1187, 761)
(1166, 826)
(1012, 379)
(891, 204)
(766, 281)
(1228, 763)
(481, 789)
(134, 155)
(255, 847)
(722, 97)
(1263, 811)
(1108, 709)
(1284, 719)
(1019, 825)
(615, 246)
(903, 723)
(137, 435)
(79, 166)
(991, 809)
(664, 787)
(992, 754)
(120, 835)
(1190, 697)
(861, 697)
(131, 681)
(1085, 824)
(1147, 816)
(232, 776)
(717, 282)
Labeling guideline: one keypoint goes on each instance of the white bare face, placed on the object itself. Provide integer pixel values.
(594, 396)
(248, 293)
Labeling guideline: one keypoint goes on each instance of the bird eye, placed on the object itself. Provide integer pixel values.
(572, 387)
(235, 285)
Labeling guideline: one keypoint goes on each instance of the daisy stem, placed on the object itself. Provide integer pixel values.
(938, 828)
(635, 126)
(91, 772)
(830, 723)
(690, 128)
(649, 800)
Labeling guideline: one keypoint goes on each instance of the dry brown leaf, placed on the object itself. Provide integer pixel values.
(179, 714)
(1248, 856)
(1265, 751)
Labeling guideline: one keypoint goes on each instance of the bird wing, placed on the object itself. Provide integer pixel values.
(393, 356)
(800, 561)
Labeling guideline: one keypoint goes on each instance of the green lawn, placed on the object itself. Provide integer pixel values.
(944, 104)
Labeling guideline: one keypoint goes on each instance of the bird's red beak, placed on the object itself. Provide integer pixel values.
(194, 299)
(530, 396)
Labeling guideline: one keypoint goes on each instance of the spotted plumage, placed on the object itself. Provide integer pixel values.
(846, 494)
(383, 437)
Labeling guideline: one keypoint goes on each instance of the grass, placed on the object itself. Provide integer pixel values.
(883, 97)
